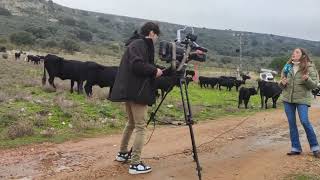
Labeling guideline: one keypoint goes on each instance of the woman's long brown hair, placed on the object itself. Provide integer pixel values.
(304, 61)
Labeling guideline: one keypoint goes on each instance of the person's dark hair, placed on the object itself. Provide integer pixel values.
(149, 26)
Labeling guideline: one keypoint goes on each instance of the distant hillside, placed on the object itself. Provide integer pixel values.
(49, 25)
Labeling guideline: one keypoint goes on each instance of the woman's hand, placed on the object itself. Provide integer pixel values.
(284, 81)
(305, 77)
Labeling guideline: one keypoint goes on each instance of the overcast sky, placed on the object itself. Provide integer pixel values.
(293, 18)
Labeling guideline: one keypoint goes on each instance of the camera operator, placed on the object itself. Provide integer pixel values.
(134, 85)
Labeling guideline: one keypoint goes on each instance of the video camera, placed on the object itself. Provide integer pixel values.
(182, 51)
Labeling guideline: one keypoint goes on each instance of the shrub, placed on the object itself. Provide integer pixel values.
(69, 21)
(38, 32)
(50, 44)
(20, 129)
(22, 38)
(70, 45)
(3, 49)
(103, 20)
(5, 56)
(84, 35)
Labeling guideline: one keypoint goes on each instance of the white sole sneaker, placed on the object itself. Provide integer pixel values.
(133, 171)
(120, 159)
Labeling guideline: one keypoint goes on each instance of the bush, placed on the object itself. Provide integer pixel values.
(4, 12)
(3, 40)
(70, 45)
(38, 32)
(83, 25)
(53, 30)
(22, 38)
(50, 44)
(5, 56)
(3, 49)
(8, 118)
(105, 36)
(103, 20)
(84, 35)
(69, 21)
(94, 30)
(20, 129)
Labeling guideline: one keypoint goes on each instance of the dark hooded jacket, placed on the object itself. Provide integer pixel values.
(135, 78)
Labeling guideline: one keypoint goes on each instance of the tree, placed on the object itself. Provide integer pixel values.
(38, 32)
(50, 44)
(254, 42)
(70, 45)
(22, 38)
(84, 35)
(51, 6)
(278, 63)
(69, 21)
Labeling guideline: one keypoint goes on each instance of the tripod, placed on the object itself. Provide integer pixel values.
(187, 114)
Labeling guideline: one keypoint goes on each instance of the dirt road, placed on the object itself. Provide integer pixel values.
(255, 149)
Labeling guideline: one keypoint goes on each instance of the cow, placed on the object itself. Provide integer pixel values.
(64, 69)
(103, 76)
(269, 90)
(190, 73)
(208, 81)
(225, 81)
(34, 59)
(229, 77)
(245, 77)
(244, 95)
(238, 83)
(202, 81)
(17, 55)
(167, 83)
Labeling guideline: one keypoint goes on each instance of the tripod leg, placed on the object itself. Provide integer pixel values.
(153, 114)
(189, 122)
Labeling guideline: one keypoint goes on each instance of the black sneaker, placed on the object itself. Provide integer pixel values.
(293, 153)
(122, 157)
(139, 168)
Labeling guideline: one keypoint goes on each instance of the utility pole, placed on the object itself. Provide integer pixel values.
(239, 68)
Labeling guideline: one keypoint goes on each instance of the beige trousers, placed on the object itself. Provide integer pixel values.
(136, 120)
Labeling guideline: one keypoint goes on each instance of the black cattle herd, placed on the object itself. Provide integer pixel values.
(93, 74)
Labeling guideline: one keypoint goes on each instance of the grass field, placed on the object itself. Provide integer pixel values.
(30, 113)
(303, 176)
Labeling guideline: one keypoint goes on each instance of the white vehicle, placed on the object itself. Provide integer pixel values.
(266, 76)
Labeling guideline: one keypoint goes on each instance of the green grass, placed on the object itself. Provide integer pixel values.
(208, 104)
(75, 116)
(303, 176)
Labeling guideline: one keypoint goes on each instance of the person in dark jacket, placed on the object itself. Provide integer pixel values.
(134, 85)
(299, 76)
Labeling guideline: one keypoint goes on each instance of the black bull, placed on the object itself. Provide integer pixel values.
(78, 71)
